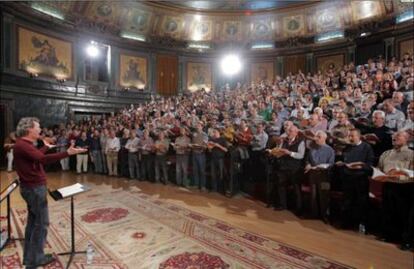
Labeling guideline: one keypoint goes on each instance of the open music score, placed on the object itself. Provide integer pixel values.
(69, 191)
(395, 175)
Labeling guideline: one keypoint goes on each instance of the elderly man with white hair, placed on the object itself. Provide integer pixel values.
(320, 157)
(398, 157)
(290, 160)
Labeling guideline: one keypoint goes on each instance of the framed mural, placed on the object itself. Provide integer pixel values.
(44, 55)
(262, 72)
(132, 72)
(335, 62)
(199, 76)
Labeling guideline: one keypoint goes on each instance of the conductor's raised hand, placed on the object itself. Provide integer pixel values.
(73, 151)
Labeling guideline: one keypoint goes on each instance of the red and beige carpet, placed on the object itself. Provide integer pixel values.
(130, 229)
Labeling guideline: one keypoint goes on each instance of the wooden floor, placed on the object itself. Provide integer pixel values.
(343, 246)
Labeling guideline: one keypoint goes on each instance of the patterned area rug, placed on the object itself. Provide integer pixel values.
(129, 229)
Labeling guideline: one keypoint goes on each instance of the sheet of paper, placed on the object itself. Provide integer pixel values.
(377, 173)
(323, 165)
(410, 173)
(71, 190)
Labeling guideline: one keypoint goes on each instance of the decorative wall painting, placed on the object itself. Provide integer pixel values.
(42, 54)
(132, 72)
(199, 76)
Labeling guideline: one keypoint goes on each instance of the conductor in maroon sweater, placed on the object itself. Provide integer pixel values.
(29, 163)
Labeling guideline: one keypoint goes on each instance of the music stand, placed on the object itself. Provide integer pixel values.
(63, 193)
(5, 194)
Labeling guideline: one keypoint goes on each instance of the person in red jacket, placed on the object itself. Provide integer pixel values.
(29, 162)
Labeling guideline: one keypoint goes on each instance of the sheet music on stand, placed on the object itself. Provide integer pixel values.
(62, 193)
(68, 191)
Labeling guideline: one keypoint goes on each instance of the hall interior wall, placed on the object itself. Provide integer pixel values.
(55, 102)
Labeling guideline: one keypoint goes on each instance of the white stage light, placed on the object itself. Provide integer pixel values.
(231, 65)
(92, 50)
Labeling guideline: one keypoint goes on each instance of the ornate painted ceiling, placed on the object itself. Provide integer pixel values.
(221, 21)
(236, 5)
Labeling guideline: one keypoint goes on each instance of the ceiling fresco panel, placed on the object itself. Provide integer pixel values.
(362, 10)
(105, 11)
(221, 21)
(262, 29)
(137, 20)
(64, 6)
(231, 30)
(293, 25)
(172, 26)
(200, 30)
(327, 19)
(235, 5)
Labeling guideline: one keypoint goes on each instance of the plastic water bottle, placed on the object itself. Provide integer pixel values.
(362, 229)
(89, 253)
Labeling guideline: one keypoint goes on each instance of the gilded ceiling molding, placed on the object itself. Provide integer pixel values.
(164, 21)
